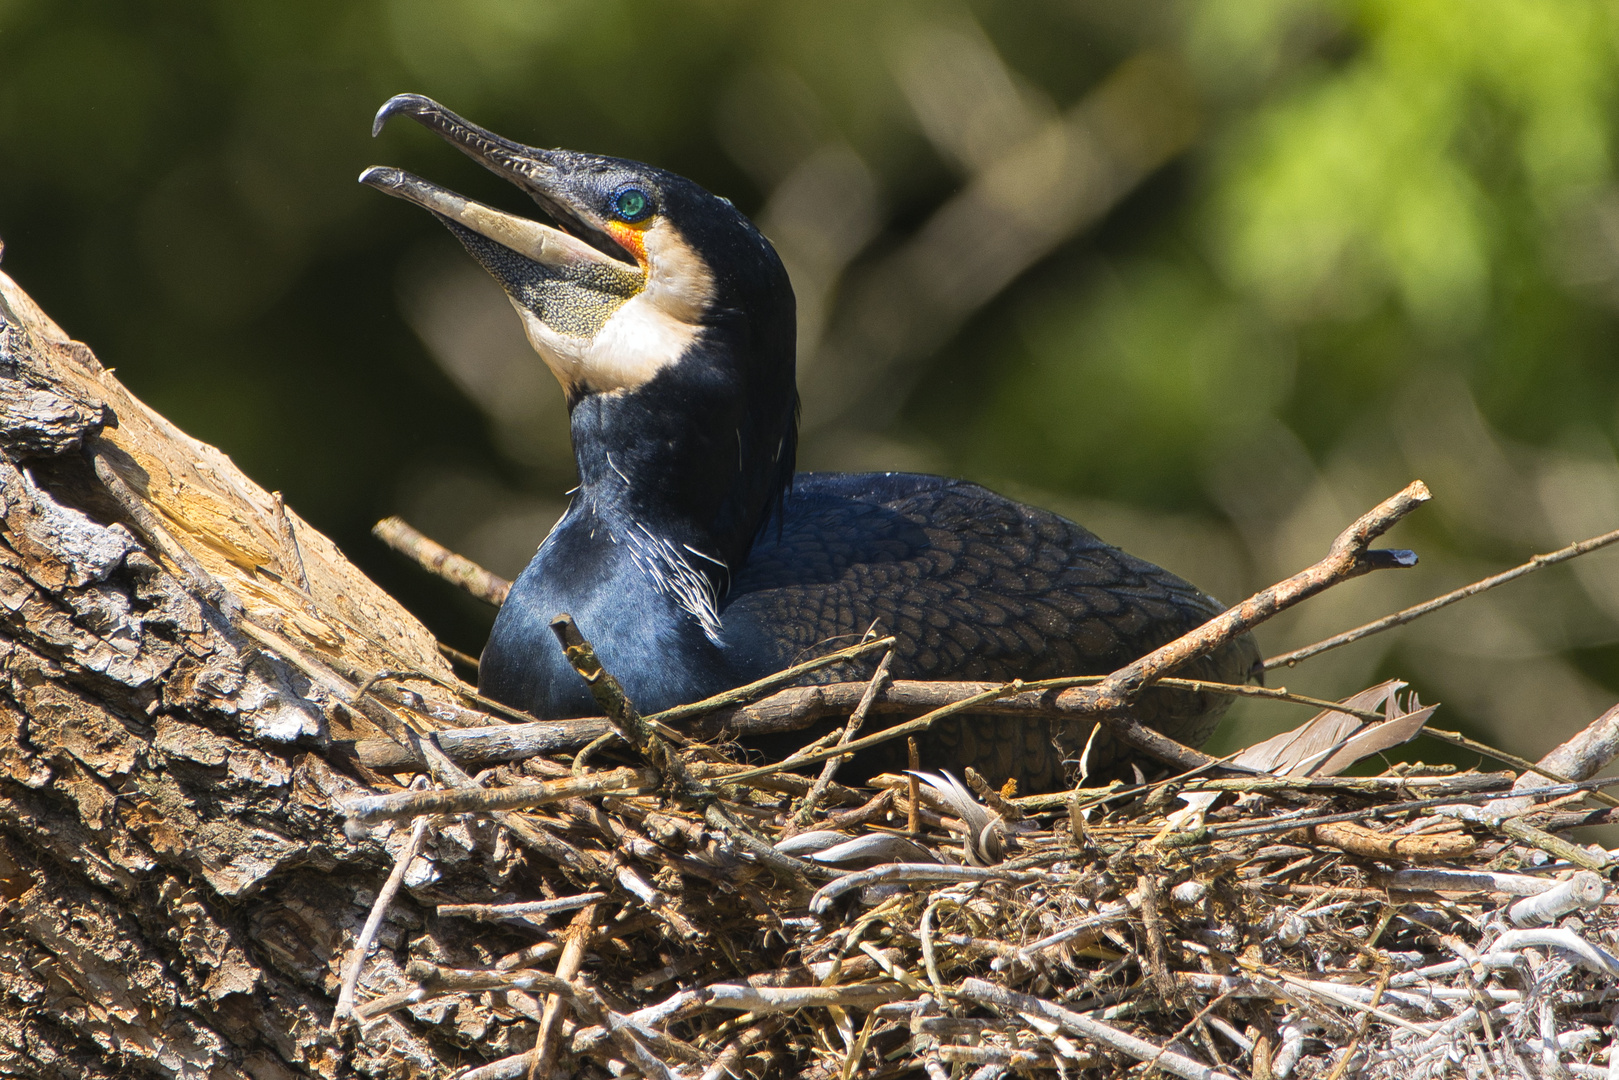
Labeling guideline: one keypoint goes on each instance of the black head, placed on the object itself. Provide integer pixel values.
(641, 264)
(666, 316)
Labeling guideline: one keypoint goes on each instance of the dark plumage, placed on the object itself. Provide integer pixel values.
(691, 555)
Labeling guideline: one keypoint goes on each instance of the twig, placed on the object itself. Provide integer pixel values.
(1011, 1058)
(796, 708)
(1525, 833)
(1284, 824)
(751, 690)
(1359, 785)
(1349, 556)
(1090, 927)
(987, 993)
(740, 997)
(1400, 618)
(437, 559)
(913, 801)
(729, 1062)
(1424, 879)
(921, 723)
(1369, 843)
(1584, 755)
(1456, 738)
(805, 811)
(424, 748)
(479, 800)
(568, 964)
(1583, 891)
(368, 933)
(621, 712)
(528, 909)
(454, 655)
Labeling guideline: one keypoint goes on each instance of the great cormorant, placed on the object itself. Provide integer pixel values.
(692, 555)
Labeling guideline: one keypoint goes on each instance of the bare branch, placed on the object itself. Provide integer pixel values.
(435, 558)
(1400, 618)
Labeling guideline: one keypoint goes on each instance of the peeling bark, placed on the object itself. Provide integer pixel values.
(181, 662)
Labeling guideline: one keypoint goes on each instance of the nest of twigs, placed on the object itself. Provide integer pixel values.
(645, 902)
(686, 915)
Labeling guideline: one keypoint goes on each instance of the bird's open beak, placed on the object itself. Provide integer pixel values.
(570, 280)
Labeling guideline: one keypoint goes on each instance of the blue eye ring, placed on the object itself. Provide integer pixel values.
(632, 204)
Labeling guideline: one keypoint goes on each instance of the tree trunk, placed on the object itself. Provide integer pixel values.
(182, 662)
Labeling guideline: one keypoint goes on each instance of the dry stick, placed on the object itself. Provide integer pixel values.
(912, 872)
(451, 653)
(477, 800)
(805, 812)
(991, 797)
(1525, 833)
(1109, 700)
(1350, 556)
(921, 723)
(437, 559)
(1583, 755)
(621, 712)
(793, 709)
(568, 964)
(435, 981)
(525, 909)
(729, 1062)
(1227, 831)
(1359, 785)
(913, 786)
(987, 993)
(1400, 618)
(769, 682)
(1456, 738)
(373, 922)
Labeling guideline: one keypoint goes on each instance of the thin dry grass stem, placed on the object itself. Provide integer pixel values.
(782, 678)
(1416, 611)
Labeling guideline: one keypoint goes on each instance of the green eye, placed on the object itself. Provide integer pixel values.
(631, 204)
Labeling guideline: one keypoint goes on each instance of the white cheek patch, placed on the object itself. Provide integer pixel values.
(678, 280)
(637, 341)
(648, 332)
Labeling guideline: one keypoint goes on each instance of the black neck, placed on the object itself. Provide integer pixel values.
(697, 458)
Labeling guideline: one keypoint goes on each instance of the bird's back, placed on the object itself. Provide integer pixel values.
(973, 586)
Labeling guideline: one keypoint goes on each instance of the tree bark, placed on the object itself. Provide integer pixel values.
(181, 660)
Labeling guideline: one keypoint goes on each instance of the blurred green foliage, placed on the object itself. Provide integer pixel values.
(1392, 250)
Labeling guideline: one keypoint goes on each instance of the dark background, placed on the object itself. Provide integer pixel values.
(1383, 244)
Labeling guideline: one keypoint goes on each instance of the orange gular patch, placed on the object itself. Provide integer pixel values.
(632, 238)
